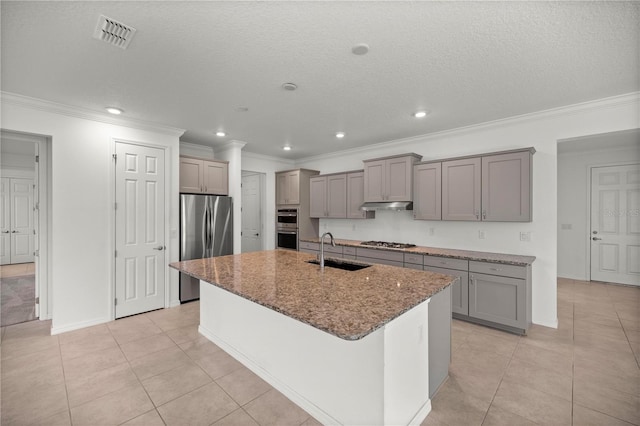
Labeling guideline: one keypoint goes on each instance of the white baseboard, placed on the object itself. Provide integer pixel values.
(174, 303)
(294, 396)
(78, 325)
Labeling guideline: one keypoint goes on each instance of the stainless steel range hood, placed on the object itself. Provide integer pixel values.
(387, 205)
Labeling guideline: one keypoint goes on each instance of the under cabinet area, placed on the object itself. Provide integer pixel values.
(389, 179)
(200, 176)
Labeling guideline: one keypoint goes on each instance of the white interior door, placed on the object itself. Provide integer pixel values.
(21, 196)
(140, 251)
(615, 224)
(5, 222)
(251, 213)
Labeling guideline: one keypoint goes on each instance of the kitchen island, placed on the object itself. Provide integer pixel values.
(350, 347)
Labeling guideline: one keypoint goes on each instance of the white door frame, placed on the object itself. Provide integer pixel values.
(587, 230)
(112, 219)
(43, 241)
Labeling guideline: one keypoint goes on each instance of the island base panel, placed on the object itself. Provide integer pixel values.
(382, 378)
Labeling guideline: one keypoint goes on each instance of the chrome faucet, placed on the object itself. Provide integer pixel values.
(333, 243)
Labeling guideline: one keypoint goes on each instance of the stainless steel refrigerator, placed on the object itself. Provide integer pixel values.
(206, 230)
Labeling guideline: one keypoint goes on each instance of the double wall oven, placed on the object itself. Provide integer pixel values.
(287, 229)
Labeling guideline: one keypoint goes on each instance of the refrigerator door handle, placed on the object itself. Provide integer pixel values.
(205, 221)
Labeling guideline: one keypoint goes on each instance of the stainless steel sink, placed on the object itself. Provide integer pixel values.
(340, 264)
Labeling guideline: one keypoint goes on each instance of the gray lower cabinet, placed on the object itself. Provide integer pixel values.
(314, 248)
(457, 268)
(500, 295)
(393, 258)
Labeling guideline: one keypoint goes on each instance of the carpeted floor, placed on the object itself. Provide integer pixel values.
(17, 297)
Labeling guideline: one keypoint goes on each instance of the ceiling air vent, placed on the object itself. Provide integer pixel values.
(113, 32)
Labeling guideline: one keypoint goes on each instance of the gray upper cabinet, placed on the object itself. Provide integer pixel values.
(288, 187)
(461, 189)
(355, 197)
(506, 187)
(427, 191)
(389, 179)
(328, 196)
(200, 176)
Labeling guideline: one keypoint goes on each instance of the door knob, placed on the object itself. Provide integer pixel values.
(14, 232)
(596, 239)
(159, 248)
(256, 235)
(5, 232)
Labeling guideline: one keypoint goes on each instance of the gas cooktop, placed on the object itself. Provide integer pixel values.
(386, 244)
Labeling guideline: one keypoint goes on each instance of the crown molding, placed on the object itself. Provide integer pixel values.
(85, 114)
(231, 145)
(632, 98)
(256, 156)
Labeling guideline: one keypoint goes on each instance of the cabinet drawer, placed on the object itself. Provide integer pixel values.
(380, 254)
(446, 262)
(309, 246)
(351, 251)
(413, 266)
(415, 259)
(328, 248)
(499, 269)
(381, 261)
(305, 250)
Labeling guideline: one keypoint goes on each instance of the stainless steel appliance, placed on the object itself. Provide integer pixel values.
(287, 229)
(206, 230)
(386, 244)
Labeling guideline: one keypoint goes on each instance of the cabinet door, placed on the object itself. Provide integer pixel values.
(355, 195)
(498, 299)
(318, 196)
(427, 191)
(337, 196)
(374, 181)
(399, 179)
(506, 187)
(281, 188)
(461, 189)
(215, 180)
(459, 289)
(293, 187)
(191, 175)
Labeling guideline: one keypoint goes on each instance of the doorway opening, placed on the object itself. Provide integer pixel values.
(252, 211)
(23, 195)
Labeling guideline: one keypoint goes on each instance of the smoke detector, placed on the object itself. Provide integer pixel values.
(289, 86)
(113, 32)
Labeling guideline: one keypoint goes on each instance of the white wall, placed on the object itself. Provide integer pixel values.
(573, 203)
(541, 131)
(232, 152)
(81, 207)
(267, 165)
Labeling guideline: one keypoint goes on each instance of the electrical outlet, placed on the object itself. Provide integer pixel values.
(525, 236)
(565, 226)
(481, 235)
(432, 231)
(353, 227)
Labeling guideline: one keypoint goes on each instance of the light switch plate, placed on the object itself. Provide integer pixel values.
(525, 236)
(481, 235)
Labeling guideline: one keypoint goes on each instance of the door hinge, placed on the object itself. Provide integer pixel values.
(115, 157)
(36, 253)
(36, 206)
(115, 253)
(37, 158)
(37, 300)
(115, 301)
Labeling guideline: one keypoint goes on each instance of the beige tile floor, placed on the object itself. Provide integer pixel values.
(155, 369)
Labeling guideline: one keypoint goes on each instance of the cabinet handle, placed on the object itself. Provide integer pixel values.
(495, 269)
(205, 189)
(477, 214)
(484, 214)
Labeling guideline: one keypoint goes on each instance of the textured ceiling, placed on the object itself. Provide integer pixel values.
(193, 64)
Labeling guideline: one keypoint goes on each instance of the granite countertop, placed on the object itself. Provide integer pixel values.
(509, 259)
(346, 304)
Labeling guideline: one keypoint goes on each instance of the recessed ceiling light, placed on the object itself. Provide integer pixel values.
(114, 110)
(420, 114)
(360, 49)
(289, 86)
(286, 148)
(221, 134)
(340, 135)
